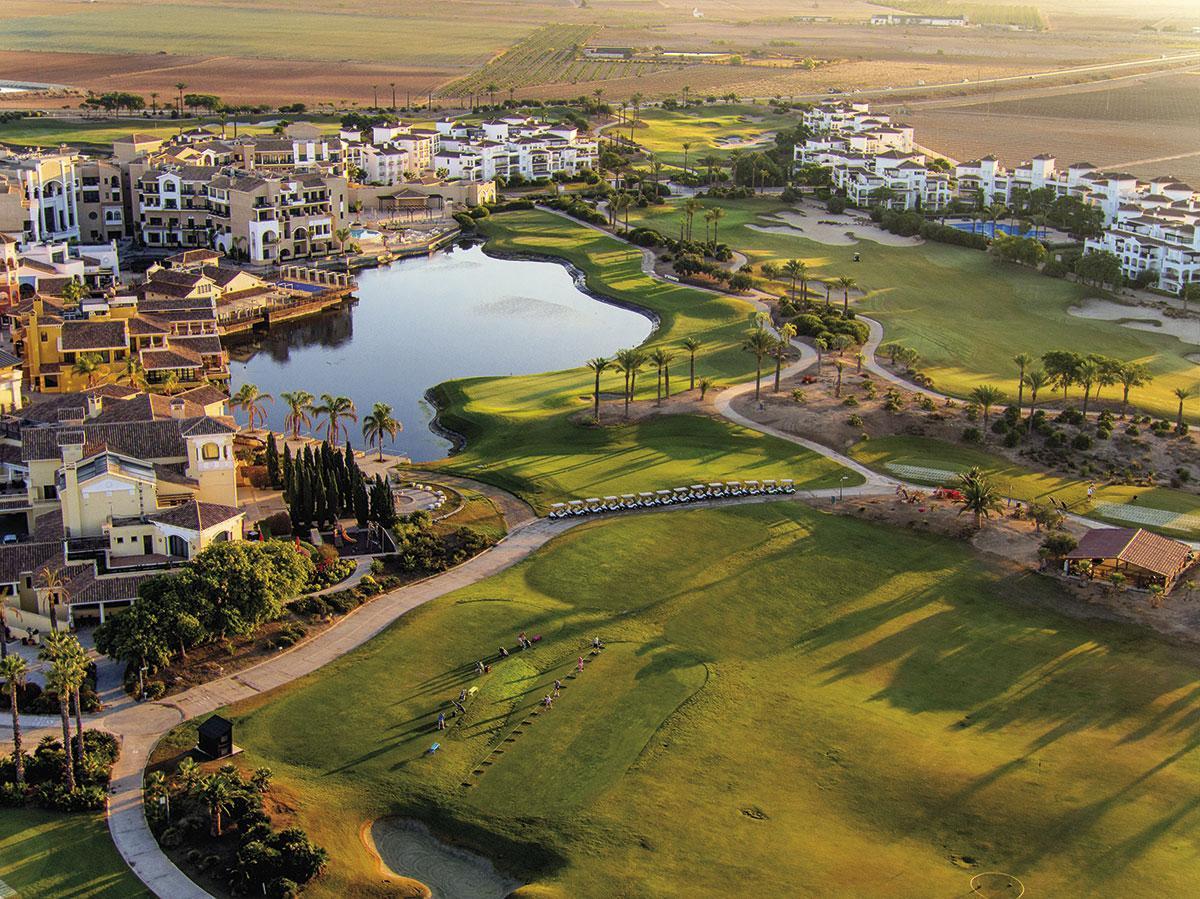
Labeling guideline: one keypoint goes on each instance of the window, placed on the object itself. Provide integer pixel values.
(50, 491)
(210, 451)
(120, 540)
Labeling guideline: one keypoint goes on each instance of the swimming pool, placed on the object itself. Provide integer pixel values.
(990, 229)
(365, 234)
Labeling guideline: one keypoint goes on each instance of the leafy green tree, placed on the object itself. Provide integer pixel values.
(88, 366)
(1062, 366)
(1132, 374)
(241, 585)
(274, 474)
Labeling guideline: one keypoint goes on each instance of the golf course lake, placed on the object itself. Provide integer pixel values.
(457, 314)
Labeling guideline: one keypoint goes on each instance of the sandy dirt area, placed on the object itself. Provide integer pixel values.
(831, 230)
(1152, 317)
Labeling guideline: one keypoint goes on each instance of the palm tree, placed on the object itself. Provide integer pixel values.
(300, 404)
(759, 342)
(705, 385)
(598, 366)
(335, 408)
(170, 384)
(1132, 374)
(380, 422)
(179, 86)
(840, 366)
(1023, 361)
(690, 207)
(13, 670)
(779, 351)
(154, 102)
(979, 495)
(134, 373)
(1035, 381)
(60, 644)
(88, 366)
(821, 345)
(214, 792)
(846, 283)
(1182, 394)
(639, 359)
(686, 146)
(661, 359)
(795, 270)
(691, 344)
(52, 582)
(714, 215)
(61, 680)
(189, 774)
(251, 401)
(985, 396)
(628, 362)
(1087, 374)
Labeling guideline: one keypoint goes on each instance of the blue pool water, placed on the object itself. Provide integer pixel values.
(990, 229)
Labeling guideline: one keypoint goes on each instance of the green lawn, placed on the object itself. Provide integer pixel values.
(1023, 483)
(101, 133)
(519, 431)
(664, 131)
(791, 704)
(44, 854)
(964, 312)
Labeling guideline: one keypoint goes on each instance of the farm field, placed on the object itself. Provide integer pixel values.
(520, 431)
(45, 854)
(883, 454)
(49, 132)
(664, 131)
(757, 716)
(1148, 126)
(964, 312)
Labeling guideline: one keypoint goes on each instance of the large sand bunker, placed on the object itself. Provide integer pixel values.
(829, 229)
(1141, 318)
(410, 850)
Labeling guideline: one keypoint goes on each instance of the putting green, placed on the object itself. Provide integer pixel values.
(708, 129)
(966, 313)
(788, 702)
(519, 430)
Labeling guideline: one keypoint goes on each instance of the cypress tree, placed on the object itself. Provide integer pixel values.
(383, 504)
(309, 459)
(333, 492)
(273, 472)
(362, 503)
(287, 466)
(307, 501)
(320, 502)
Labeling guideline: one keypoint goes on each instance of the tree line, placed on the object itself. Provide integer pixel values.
(321, 487)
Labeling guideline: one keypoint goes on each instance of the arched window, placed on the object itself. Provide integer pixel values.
(177, 546)
(210, 452)
(222, 537)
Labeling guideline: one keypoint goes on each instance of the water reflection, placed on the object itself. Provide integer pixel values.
(423, 321)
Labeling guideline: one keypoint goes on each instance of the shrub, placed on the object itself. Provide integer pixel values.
(1057, 544)
(926, 403)
(836, 205)
(1012, 438)
(972, 435)
(850, 401)
(277, 525)
(799, 396)
(855, 421)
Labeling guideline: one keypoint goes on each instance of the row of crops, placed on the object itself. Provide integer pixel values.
(1028, 17)
(550, 55)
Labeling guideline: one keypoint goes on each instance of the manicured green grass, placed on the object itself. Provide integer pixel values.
(664, 131)
(43, 854)
(1020, 482)
(964, 312)
(519, 431)
(52, 132)
(790, 703)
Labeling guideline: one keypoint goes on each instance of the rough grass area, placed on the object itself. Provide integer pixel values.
(520, 433)
(966, 313)
(788, 700)
(44, 854)
(1023, 483)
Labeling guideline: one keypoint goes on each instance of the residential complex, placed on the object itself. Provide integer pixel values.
(511, 146)
(1151, 226)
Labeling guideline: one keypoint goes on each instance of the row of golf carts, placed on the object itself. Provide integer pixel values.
(676, 496)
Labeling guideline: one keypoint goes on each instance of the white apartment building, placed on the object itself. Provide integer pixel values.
(513, 145)
(41, 203)
(1157, 234)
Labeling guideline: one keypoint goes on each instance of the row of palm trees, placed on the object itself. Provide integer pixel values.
(332, 413)
(65, 676)
(797, 272)
(630, 363)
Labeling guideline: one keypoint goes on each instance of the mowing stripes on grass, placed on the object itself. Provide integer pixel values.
(1157, 518)
(6, 890)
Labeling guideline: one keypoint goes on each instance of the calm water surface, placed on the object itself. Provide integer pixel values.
(423, 321)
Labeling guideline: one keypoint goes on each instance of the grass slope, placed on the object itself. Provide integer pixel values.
(791, 704)
(966, 314)
(46, 854)
(519, 430)
(1023, 483)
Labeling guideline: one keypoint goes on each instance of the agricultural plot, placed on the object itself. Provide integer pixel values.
(1028, 17)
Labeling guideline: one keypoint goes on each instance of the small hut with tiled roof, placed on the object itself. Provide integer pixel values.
(1144, 558)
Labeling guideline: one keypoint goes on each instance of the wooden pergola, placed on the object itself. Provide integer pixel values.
(1144, 558)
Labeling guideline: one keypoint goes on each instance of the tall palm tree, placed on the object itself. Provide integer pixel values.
(692, 344)
(179, 86)
(598, 366)
(714, 215)
(62, 645)
(979, 495)
(840, 366)
(759, 342)
(1086, 375)
(1132, 374)
(1022, 361)
(1035, 381)
(13, 669)
(214, 792)
(686, 146)
(846, 283)
(779, 351)
(88, 366)
(61, 679)
(661, 359)
(154, 102)
(985, 396)
(795, 269)
(342, 236)
(1182, 394)
(300, 404)
(253, 402)
(690, 207)
(335, 408)
(380, 422)
(53, 582)
(821, 345)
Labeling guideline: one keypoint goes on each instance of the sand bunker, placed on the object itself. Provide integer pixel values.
(831, 230)
(1141, 318)
(743, 143)
(410, 850)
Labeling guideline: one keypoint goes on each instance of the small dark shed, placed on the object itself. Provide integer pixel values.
(216, 737)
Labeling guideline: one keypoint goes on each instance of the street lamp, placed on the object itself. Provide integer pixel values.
(841, 487)
(142, 682)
